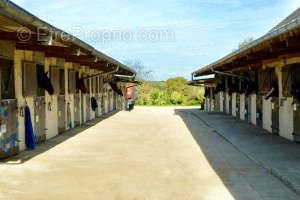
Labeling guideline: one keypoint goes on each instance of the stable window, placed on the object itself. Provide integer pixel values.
(296, 74)
(206, 92)
(94, 85)
(296, 81)
(29, 79)
(213, 93)
(220, 83)
(40, 70)
(72, 82)
(7, 79)
(61, 81)
(234, 84)
(274, 79)
(54, 77)
(97, 85)
(264, 81)
(287, 81)
(87, 84)
(76, 78)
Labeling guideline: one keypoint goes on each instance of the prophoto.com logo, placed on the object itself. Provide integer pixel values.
(43, 34)
(117, 35)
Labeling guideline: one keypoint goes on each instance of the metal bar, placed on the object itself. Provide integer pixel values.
(125, 76)
(103, 73)
(229, 74)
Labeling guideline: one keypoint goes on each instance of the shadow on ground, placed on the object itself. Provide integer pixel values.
(222, 138)
(27, 155)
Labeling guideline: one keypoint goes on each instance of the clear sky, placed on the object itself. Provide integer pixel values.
(171, 37)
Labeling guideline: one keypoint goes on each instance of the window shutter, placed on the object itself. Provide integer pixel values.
(87, 83)
(62, 81)
(29, 79)
(97, 85)
(54, 76)
(264, 79)
(72, 82)
(94, 85)
(287, 82)
(7, 79)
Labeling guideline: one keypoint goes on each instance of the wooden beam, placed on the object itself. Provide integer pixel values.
(257, 55)
(66, 53)
(278, 46)
(75, 58)
(54, 55)
(19, 37)
(44, 48)
(99, 66)
(293, 42)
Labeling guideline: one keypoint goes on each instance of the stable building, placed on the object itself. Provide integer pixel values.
(60, 79)
(260, 83)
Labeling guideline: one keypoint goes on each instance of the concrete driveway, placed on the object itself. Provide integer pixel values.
(148, 154)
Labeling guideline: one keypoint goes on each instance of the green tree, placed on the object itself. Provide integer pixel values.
(175, 91)
(246, 42)
(176, 84)
(177, 98)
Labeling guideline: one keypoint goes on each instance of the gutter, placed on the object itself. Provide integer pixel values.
(25, 18)
(275, 33)
(102, 74)
(125, 76)
(229, 74)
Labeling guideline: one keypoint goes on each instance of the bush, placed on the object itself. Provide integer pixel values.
(176, 98)
(173, 92)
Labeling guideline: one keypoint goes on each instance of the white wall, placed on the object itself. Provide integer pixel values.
(212, 105)
(286, 119)
(19, 57)
(233, 104)
(111, 99)
(219, 102)
(83, 99)
(98, 114)
(51, 115)
(242, 106)
(92, 113)
(252, 108)
(69, 98)
(267, 114)
(80, 99)
(106, 101)
(206, 104)
(286, 111)
(227, 103)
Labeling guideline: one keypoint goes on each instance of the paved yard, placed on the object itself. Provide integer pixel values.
(147, 154)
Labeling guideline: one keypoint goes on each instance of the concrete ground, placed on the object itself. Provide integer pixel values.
(147, 154)
(276, 154)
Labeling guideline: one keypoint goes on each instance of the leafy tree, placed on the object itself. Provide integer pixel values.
(246, 42)
(176, 84)
(174, 91)
(139, 67)
(177, 98)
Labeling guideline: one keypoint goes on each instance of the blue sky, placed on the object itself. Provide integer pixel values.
(202, 31)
